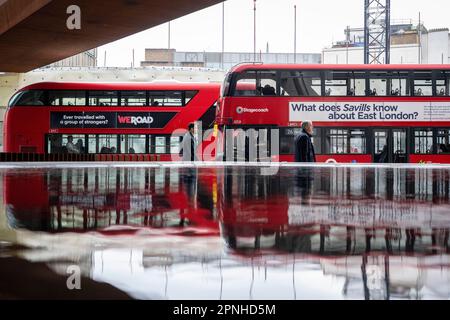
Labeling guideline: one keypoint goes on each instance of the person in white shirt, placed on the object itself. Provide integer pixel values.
(189, 145)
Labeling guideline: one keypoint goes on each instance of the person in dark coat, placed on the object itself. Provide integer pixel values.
(304, 149)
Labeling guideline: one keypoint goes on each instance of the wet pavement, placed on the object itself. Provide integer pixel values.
(225, 232)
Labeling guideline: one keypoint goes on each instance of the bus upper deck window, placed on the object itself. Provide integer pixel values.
(398, 84)
(357, 84)
(423, 83)
(166, 98)
(246, 84)
(378, 83)
(226, 85)
(173, 99)
(188, 96)
(337, 84)
(67, 98)
(133, 98)
(14, 99)
(267, 83)
(300, 83)
(442, 83)
(103, 98)
(256, 83)
(29, 98)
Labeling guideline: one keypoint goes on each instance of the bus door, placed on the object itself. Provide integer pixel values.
(390, 146)
(249, 145)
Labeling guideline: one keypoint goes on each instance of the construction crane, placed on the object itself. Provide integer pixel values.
(377, 31)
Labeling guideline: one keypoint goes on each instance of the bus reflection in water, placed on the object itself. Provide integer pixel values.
(358, 210)
(384, 230)
(390, 223)
(394, 201)
(361, 113)
(96, 198)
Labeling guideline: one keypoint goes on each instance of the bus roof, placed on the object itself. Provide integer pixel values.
(166, 85)
(262, 66)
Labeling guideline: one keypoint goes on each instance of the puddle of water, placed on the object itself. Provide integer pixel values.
(214, 232)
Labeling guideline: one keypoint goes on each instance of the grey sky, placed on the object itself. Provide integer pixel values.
(319, 22)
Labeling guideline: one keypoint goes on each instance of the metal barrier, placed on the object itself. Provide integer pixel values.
(69, 157)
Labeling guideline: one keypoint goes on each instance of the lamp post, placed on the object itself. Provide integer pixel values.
(254, 30)
(419, 32)
(295, 33)
(168, 37)
(223, 33)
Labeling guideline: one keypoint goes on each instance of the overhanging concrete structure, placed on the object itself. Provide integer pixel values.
(34, 33)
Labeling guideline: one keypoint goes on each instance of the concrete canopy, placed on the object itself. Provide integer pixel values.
(34, 33)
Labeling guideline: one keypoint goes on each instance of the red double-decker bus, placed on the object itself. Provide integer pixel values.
(361, 113)
(122, 118)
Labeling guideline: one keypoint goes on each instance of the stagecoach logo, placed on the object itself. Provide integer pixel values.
(240, 110)
(135, 120)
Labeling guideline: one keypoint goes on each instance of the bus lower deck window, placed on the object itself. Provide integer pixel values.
(343, 141)
(443, 141)
(175, 143)
(160, 144)
(423, 141)
(132, 143)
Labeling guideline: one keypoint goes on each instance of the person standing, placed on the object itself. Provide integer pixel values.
(189, 145)
(304, 148)
(79, 146)
(71, 147)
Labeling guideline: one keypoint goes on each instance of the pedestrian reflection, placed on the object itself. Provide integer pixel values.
(410, 240)
(305, 180)
(189, 182)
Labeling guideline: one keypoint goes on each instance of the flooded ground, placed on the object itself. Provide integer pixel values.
(215, 232)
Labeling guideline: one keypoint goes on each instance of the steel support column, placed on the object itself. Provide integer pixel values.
(377, 38)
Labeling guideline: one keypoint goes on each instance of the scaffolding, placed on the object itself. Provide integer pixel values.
(377, 39)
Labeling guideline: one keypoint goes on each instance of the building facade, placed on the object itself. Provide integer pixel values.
(217, 60)
(410, 44)
(84, 59)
